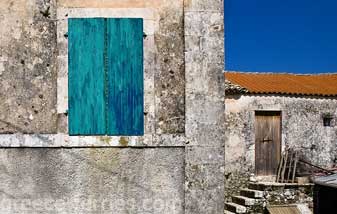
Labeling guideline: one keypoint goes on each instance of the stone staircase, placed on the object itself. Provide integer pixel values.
(249, 201)
(253, 199)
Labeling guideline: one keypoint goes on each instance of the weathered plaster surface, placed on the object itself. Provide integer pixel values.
(92, 180)
(64, 140)
(170, 76)
(204, 128)
(183, 49)
(302, 129)
(117, 3)
(28, 66)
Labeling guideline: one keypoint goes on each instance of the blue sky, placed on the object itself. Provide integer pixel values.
(296, 36)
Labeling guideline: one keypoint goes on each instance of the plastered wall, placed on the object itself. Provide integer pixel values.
(176, 167)
(302, 129)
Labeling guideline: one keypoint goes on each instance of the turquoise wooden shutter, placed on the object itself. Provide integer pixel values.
(106, 90)
(86, 76)
(125, 77)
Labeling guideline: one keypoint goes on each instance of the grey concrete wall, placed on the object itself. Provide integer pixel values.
(176, 167)
(106, 180)
(302, 129)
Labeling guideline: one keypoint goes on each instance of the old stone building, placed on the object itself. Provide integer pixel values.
(268, 112)
(174, 164)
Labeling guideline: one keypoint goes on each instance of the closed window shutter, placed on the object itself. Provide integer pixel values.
(125, 76)
(86, 77)
(106, 89)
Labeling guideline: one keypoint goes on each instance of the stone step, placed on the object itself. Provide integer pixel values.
(236, 208)
(273, 186)
(244, 201)
(251, 193)
(228, 212)
(265, 186)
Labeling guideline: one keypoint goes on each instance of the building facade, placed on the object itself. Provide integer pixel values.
(175, 164)
(267, 113)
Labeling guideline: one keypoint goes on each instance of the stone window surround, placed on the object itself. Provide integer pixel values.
(150, 138)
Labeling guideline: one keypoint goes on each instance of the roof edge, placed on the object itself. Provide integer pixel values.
(276, 73)
(231, 88)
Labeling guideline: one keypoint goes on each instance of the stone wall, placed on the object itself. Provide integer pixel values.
(204, 128)
(302, 129)
(28, 67)
(95, 180)
(176, 167)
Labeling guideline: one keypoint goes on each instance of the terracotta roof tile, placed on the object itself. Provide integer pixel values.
(281, 83)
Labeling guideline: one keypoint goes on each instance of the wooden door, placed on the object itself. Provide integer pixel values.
(267, 142)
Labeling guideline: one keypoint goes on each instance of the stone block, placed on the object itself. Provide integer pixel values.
(203, 23)
(202, 5)
(204, 201)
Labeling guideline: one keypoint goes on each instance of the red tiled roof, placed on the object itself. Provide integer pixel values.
(277, 83)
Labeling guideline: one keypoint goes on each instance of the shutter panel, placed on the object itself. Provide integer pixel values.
(125, 77)
(86, 76)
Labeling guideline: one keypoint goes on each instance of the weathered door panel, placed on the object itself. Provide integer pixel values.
(267, 142)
